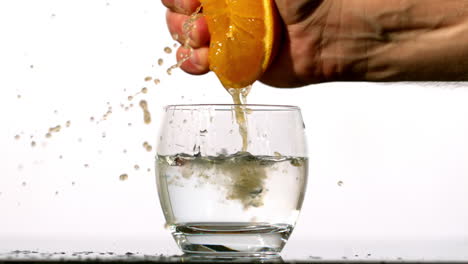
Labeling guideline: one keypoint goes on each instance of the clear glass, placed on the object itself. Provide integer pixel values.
(219, 199)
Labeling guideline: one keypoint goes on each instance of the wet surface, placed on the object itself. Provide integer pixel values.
(110, 257)
(26, 256)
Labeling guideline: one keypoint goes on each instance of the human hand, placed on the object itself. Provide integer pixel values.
(362, 40)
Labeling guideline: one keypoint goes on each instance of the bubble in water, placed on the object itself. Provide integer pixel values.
(156, 81)
(68, 123)
(130, 97)
(48, 135)
(148, 78)
(123, 177)
(136, 167)
(160, 62)
(18, 96)
(91, 119)
(17, 137)
(175, 36)
(340, 183)
(144, 90)
(23, 184)
(33, 143)
(168, 50)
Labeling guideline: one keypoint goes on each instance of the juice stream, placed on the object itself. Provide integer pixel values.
(239, 97)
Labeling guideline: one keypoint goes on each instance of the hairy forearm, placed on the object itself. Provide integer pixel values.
(396, 40)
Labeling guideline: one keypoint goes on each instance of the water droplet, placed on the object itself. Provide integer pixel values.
(340, 183)
(123, 177)
(130, 97)
(147, 146)
(156, 81)
(136, 167)
(160, 62)
(33, 143)
(148, 78)
(55, 129)
(144, 90)
(17, 137)
(168, 50)
(146, 113)
(68, 123)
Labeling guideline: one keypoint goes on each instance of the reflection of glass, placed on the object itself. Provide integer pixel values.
(218, 199)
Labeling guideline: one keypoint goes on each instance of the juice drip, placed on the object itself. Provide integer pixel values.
(186, 28)
(239, 96)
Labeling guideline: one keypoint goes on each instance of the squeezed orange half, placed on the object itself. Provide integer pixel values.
(243, 34)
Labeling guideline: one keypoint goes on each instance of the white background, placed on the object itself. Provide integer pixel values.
(401, 150)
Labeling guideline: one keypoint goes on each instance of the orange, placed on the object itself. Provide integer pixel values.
(242, 42)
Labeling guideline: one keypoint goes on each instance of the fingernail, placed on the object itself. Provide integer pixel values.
(192, 35)
(194, 59)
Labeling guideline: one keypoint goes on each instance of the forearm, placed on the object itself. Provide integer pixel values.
(395, 40)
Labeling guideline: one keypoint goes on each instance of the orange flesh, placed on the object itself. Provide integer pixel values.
(237, 49)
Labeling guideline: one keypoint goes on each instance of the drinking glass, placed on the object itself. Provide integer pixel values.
(219, 198)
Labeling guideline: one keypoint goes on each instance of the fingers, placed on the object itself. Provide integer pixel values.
(177, 15)
(198, 34)
(197, 63)
(186, 7)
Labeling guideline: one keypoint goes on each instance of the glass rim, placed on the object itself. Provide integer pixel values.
(266, 106)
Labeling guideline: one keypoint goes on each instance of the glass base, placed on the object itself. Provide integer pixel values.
(232, 239)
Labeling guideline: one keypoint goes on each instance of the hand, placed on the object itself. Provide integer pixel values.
(358, 40)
